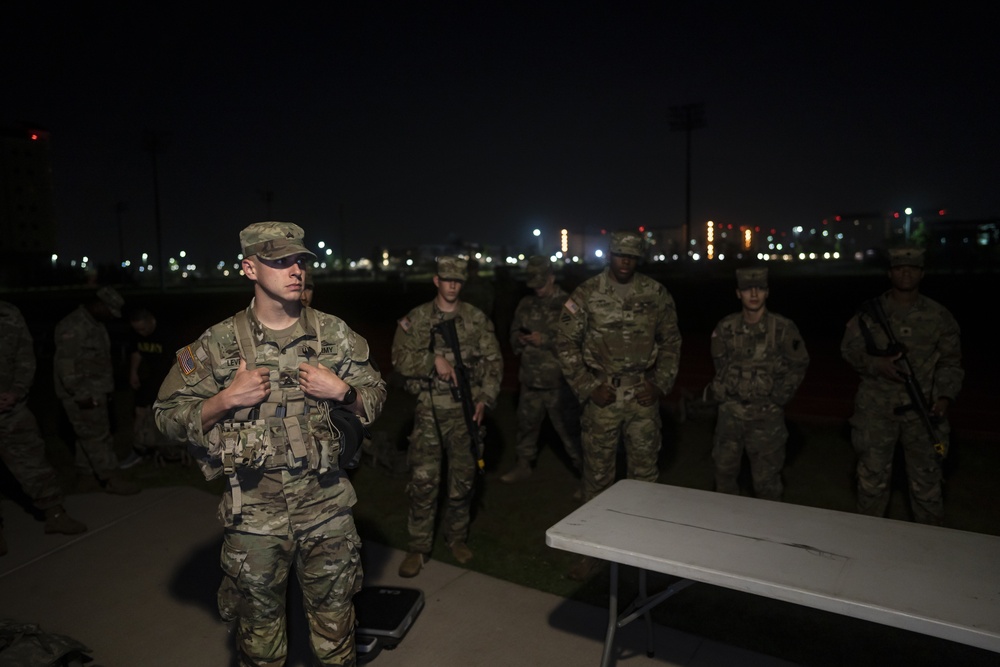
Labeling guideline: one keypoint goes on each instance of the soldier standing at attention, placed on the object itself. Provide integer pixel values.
(421, 357)
(618, 347)
(760, 360)
(84, 380)
(258, 396)
(883, 410)
(22, 449)
(543, 391)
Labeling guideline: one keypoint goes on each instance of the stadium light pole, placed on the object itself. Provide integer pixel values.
(687, 118)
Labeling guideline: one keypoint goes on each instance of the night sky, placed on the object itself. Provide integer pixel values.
(392, 124)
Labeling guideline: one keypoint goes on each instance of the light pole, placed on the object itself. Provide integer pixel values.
(538, 234)
(908, 211)
(687, 118)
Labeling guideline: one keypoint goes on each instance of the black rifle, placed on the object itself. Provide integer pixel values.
(918, 400)
(463, 390)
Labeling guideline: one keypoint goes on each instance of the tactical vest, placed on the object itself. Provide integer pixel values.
(288, 431)
(751, 374)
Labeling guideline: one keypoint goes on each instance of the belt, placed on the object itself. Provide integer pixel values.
(621, 380)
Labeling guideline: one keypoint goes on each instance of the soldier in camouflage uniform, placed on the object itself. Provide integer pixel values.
(255, 396)
(22, 449)
(883, 413)
(84, 380)
(760, 360)
(543, 389)
(618, 346)
(421, 357)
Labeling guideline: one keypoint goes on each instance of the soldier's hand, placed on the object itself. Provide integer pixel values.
(648, 394)
(321, 383)
(887, 368)
(534, 339)
(940, 407)
(249, 387)
(7, 400)
(444, 370)
(603, 396)
(480, 412)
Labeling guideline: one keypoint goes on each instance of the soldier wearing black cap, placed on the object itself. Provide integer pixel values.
(760, 360)
(272, 398)
(884, 414)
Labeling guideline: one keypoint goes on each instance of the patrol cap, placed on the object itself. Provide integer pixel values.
(273, 240)
(906, 257)
(452, 268)
(539, 269)
(112, 299)
(626, 243)
(752, 277)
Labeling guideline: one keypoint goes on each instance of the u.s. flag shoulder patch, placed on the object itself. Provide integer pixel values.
(185, 360)
(404, 324)
(571, 306)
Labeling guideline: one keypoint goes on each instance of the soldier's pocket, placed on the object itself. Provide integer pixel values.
(231, 601)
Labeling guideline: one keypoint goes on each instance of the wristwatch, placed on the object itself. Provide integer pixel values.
(350, 396)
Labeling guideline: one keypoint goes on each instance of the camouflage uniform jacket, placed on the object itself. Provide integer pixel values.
(539, 365)
(603, 337)
(931, 337)
(413, 352)
(757, 365)
(82, 364)
(17, 353)
(209, 364)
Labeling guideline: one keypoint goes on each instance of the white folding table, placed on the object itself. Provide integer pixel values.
(927, 579)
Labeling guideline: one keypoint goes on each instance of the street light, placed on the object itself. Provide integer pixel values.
(538, 234)
(908, 211)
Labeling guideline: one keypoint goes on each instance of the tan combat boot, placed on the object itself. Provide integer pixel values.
(410, 567)
(461, 552)
(519, 472)
(57, 521)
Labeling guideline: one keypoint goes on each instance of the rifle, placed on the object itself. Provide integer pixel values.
(918, 400)
(463, 390)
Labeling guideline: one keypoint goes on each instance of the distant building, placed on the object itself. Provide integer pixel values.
(27, 206)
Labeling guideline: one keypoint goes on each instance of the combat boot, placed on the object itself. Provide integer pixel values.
(461, 552)
(119, 486)
(410, 567)
(519, 472)
(57, 521)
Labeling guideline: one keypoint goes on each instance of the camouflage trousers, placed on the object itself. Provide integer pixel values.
(22, 450)
(602, 429)
(874, 439)
(255, 582)
(95, 448)
(433, 441)
(146, 438)
(762, 436)
(532, 407)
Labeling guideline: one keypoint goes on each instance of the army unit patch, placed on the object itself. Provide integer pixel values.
(185, 359)
(405, 324)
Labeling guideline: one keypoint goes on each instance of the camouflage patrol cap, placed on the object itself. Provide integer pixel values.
(752, 277)
(273, 240)
(112, 299)
(626, 243)
(452, 268)
(539, 269)
(906, 257)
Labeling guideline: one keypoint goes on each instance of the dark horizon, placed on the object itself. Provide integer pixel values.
(405, 124)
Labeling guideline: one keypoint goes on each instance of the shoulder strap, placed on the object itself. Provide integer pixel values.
(244, 339)
(312, 316)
